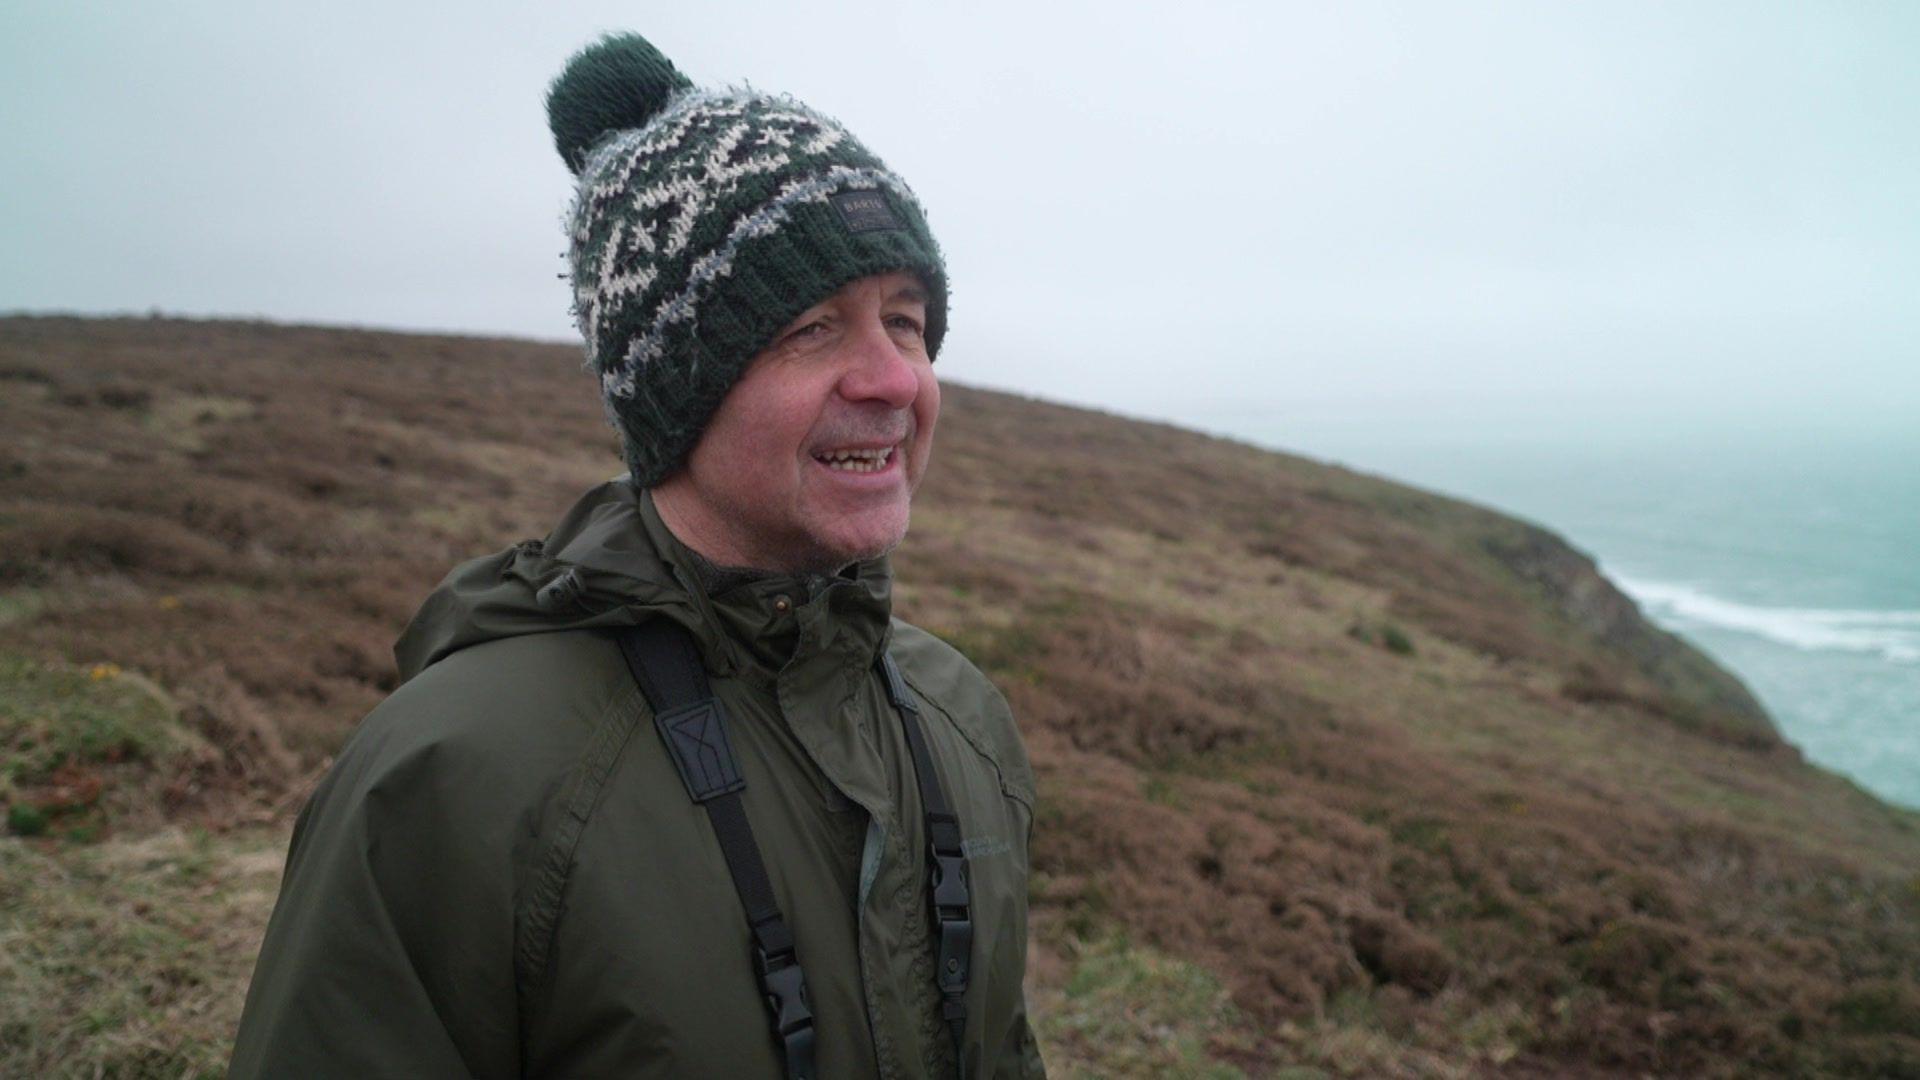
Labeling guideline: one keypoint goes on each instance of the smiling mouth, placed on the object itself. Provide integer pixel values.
(858, 461)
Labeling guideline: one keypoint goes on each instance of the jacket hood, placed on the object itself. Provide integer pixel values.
(612, 562)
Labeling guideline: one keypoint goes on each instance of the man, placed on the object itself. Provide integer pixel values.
(549, 852)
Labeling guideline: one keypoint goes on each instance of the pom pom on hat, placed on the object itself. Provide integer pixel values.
(618, 82)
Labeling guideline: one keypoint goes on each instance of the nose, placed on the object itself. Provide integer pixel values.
(881, 370)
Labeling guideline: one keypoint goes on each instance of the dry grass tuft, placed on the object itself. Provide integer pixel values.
(131, 957)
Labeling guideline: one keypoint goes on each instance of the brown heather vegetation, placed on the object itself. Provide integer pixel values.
(1338, 777)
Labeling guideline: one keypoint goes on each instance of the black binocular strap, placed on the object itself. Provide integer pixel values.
(666, 663)
(947, 888)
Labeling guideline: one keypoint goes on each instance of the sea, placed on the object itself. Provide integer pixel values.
(1789, 554)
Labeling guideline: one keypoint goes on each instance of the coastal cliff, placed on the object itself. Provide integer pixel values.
(1336, 775)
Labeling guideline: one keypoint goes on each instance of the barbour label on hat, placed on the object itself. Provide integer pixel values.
(865, 211)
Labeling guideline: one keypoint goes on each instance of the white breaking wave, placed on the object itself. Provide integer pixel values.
(1891, 635)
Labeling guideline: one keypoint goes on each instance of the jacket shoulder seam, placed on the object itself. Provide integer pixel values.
(582, 793)
(980, 743)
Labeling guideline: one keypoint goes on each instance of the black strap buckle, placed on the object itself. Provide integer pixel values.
(785, 989)
(949, 883)
(951, 907)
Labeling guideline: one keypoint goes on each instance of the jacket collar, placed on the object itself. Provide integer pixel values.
(611, 561)
(770, 620)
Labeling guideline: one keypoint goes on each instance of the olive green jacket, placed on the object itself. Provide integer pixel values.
(503, 875)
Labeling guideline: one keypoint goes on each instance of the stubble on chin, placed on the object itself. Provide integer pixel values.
(824, 556)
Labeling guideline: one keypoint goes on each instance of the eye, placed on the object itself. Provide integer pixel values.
(807, 330)
(907, 323)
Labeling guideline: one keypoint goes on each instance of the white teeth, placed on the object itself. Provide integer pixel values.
(859, 461)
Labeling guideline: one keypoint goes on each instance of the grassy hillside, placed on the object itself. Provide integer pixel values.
(1338, 777)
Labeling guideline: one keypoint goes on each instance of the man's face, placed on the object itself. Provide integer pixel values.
(812, 459)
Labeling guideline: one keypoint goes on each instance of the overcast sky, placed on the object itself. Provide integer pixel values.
(1279, 219)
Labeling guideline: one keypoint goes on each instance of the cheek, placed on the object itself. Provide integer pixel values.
(766, 436)
(739, 462)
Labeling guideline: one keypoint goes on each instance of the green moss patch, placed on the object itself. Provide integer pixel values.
(62, 725)
(1128, 1010)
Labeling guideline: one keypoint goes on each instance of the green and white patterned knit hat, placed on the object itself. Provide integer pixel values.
(704, 222)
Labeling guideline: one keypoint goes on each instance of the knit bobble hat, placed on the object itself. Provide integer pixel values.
(703, 223)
